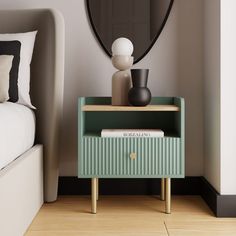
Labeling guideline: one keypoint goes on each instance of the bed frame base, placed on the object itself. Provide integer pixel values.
(21, 192)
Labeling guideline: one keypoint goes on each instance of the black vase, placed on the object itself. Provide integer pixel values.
(139, 95)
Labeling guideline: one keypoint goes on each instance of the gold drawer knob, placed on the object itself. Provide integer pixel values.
(132, 155)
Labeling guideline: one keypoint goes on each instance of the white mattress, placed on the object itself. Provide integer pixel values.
(17, 131)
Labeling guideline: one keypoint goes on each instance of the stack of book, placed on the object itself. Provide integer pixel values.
(135, 133)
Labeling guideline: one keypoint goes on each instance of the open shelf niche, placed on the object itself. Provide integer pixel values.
(162, 113)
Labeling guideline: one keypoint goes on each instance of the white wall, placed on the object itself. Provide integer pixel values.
(190, 65)
(220, 95)
(228, 97)
(212, 92)
(175, 69)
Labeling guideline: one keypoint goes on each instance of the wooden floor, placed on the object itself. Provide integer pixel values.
(129, 216)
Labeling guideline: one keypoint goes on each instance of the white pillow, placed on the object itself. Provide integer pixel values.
(27, 45)
(5, 68)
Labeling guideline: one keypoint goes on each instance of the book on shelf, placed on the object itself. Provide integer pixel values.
(135, 133)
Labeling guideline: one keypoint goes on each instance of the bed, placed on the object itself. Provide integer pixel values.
(29, 171)
(17, 126)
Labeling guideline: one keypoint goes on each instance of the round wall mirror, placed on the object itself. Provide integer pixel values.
(141, 21)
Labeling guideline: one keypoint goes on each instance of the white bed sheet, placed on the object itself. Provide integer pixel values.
(17, 131)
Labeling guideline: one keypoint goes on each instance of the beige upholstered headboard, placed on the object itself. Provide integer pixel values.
(47, 81)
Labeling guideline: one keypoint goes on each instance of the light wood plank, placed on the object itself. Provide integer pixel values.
(208, 228)
(129, 215)
(130, 108)
(200, 233)
(98, 223)
(87, 233)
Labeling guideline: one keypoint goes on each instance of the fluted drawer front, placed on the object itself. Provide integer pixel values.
(110, 157)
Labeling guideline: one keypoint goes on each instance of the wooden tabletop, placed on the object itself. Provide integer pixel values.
(130, 108)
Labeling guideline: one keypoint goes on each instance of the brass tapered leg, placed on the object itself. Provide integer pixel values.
(163, 189)
(97, 188)
(94, 195)
(168, 195)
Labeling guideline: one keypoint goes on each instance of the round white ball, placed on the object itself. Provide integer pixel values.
(122, 46)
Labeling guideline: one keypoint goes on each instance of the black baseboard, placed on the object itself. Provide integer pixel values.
(221, 205)
(209, 194)
(75, 186)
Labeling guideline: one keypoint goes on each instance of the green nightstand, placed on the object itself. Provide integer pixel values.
(101, 157)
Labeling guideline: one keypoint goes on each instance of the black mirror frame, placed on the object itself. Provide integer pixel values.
(152, 43)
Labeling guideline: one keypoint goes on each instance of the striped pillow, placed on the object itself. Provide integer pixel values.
(21, 92)
(12, 48)
(5, 67)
